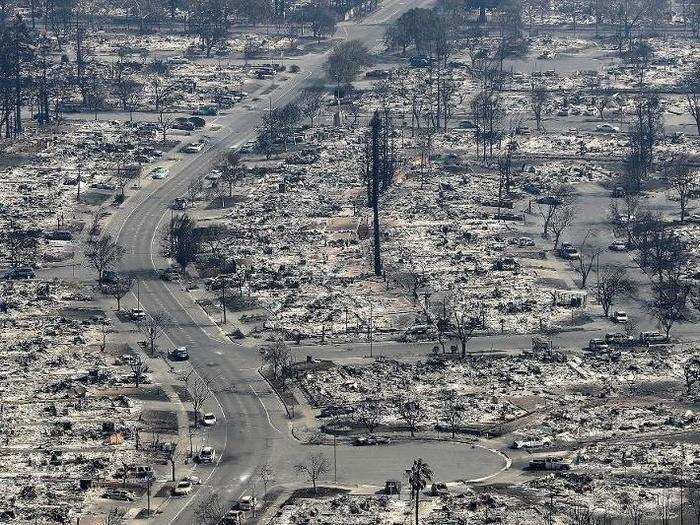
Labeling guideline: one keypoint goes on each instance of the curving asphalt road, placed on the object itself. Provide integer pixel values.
(254, 431)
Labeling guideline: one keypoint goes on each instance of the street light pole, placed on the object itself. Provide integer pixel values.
(335, 460)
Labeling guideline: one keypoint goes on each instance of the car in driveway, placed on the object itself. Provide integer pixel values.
(208, 419)
(159, 173)
(17, 274)
(247, 503)
(531, 443)
(598, 345)
(618, 246)
(607, 128)
(182, 488)
(651, 338)
(620, 316)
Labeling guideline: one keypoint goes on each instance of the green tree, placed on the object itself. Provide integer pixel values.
(418, 477)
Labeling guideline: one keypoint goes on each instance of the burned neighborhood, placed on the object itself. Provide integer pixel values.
(371, 262)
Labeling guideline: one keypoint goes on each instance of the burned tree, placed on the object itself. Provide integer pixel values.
(153, 327)
(411, 412)
(562, 196)
(139, 369)
(680, 180)
(104, 254)
(199, 392)
(613, 284)
(562, 218)
(691, 374)
(210, 510)
(458, 319)
(183, 241)
(538, 98)
(313, 468)
(310, 101)
(369, 414)
(119, 288)
(690, 84)
(669, 303)
(452, 410)
(588, 257)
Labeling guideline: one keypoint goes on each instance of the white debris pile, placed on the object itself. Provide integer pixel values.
(56, 424)
(576, 400)
(305, 233)
(350, 509)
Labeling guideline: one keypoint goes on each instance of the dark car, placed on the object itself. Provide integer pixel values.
(420, 62)
(59, 235)
(19, 273)
(180, 354)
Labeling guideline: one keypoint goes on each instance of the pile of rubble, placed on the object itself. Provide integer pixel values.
(57, 423)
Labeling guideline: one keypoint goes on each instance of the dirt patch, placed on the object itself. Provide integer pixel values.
(149, 394)
(161, 419)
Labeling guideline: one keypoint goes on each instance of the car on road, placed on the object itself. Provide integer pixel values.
(159, 173)
(206, 455)
(195, 147)
(208, 419)
(531, 443)
(179, 203)
(137, 314)
(182, 488)
(180, 354)
(618, 246)
(607, 128)
(19, 273)
(119, 494)
(620, 316)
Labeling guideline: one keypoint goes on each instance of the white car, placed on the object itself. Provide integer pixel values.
(618, 246)
(209, 419)
(182, 488)
(137, 314)
(607, 128)
(532, 443)
(159, 173)
(620, 316)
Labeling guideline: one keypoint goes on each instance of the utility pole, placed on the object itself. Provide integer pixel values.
(138, 294)
(371, 332)
(376, 133)
(335, 460)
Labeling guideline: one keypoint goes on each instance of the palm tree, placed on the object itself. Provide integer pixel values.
(418, 477)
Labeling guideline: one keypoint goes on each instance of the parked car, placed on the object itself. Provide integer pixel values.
(377, 73)
(371, 440)
(618, 338)
(438, 489)
(650, 338)
(170, 274)
(182, 488)
(208, 419)
(531, 443)
(618, 192)
(195, 147)
(16, 274)
(607, 128)
(232, 517)
(620, 316)
(118, 494)
(206, 455)
(180, 354)
(159, 173)
(137, 314)
(618, 246)
(598, 345)
(59, 235)
(179, 203)
(548, 464)
(247, 503)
